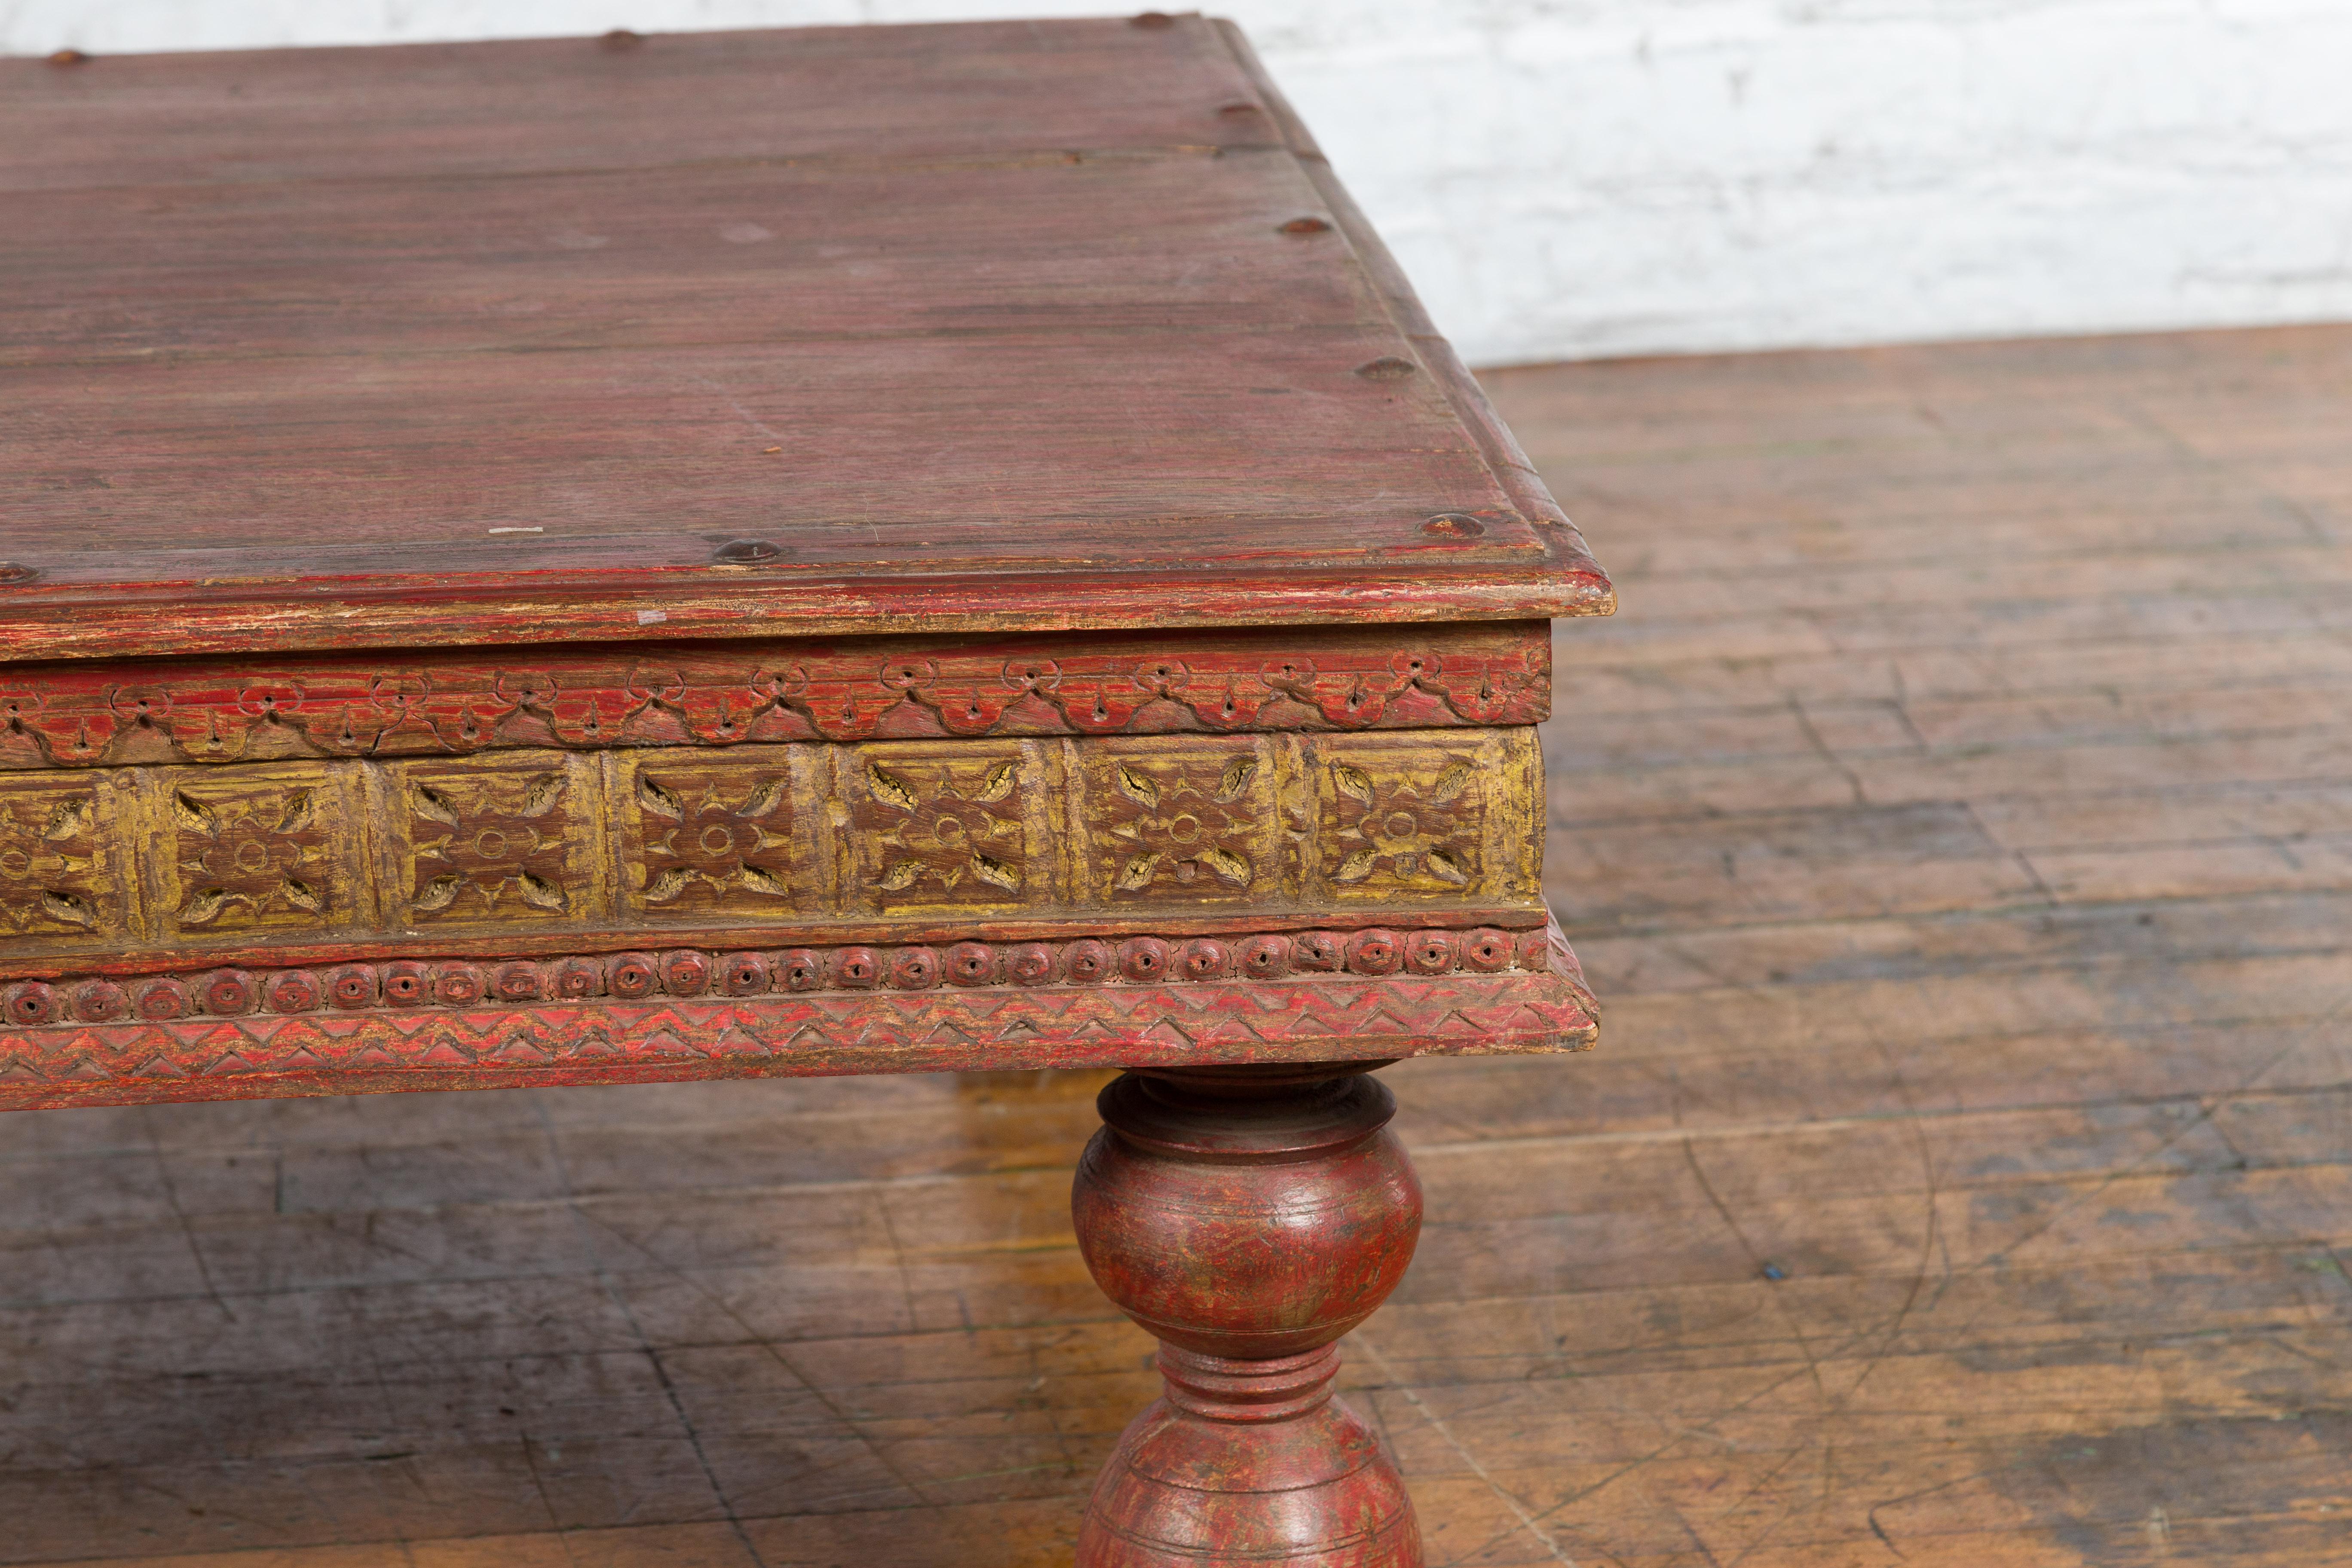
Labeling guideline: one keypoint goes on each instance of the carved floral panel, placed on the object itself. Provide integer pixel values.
(1183, 819)
(60, 860)
(946, 826)
(355, 854)
(704, 835)
(511, 841)
(257, 850)
(1415, 817)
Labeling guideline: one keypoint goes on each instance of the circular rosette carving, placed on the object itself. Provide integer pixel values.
(721, 836)
(498, 846)
(1192, 827)
(946, 828)
(257, 855)
(1410, 829)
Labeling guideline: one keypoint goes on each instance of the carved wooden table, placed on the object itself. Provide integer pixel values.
(829, 552)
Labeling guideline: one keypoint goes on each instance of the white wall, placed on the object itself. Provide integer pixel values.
(1579, 177)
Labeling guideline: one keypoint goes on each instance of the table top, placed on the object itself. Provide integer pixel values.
(1002, 326)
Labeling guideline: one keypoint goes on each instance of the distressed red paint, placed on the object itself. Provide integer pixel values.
(161, 1046)
(1248, 1217)
(381, 495)
(420, 702)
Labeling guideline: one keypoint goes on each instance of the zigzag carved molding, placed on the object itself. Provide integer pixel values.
(798, 1034)
(686, 973)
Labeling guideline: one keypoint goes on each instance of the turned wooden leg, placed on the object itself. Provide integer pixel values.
(1248, 1217)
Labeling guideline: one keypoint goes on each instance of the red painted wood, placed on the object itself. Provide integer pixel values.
(970, 327)
(698, 352)
(356, 1028)
(1248, 1217)
(410, 704)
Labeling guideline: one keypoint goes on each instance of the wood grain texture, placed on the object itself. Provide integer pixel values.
(2054, 1173)
(1050, 326)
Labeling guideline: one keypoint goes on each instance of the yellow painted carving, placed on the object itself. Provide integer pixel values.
(707, 835)
(863, 840)
(505, 842)
(259, 849)
(1416, 816)
(941, 825)
(1181, 819)
(58, 880)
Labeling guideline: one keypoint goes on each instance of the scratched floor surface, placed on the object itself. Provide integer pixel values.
(1957, 821)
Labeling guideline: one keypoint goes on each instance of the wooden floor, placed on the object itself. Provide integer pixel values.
(1957, 821)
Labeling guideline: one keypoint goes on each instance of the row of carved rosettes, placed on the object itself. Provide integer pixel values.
(720, 695)
(1305, 1017)
(689, 971)
(567, 851)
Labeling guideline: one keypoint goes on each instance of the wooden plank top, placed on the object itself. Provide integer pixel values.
(1018, 326)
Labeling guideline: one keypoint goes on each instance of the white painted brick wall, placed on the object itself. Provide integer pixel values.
(1580, 177)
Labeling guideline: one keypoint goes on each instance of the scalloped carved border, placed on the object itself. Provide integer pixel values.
(594, 697)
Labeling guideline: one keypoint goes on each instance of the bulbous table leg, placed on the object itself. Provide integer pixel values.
(1248, 1217)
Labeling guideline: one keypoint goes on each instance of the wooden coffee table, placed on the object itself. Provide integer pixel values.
(860, 550)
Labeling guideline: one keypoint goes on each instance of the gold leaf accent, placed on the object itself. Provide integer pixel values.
(1137, 785)
(204, 906)
(1227, 865)
(891, 789)
(762, 799)
(437, 894)
(195, 816)
(429, 804)
(297, 813)
(1138, 871)
(539, 892)
(1237, 775)
(765, 883)
(300, 894)
(1446, 867)
(66, 908)
(1356, 867)
(655, 798)
(988, 868)
(544, 792)
(1453, 782)
(669, 885)
(997, 784)
(1352, 781)
(901, 875)
(69, 820)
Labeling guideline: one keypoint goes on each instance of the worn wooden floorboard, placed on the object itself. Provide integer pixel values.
(1958, 822)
